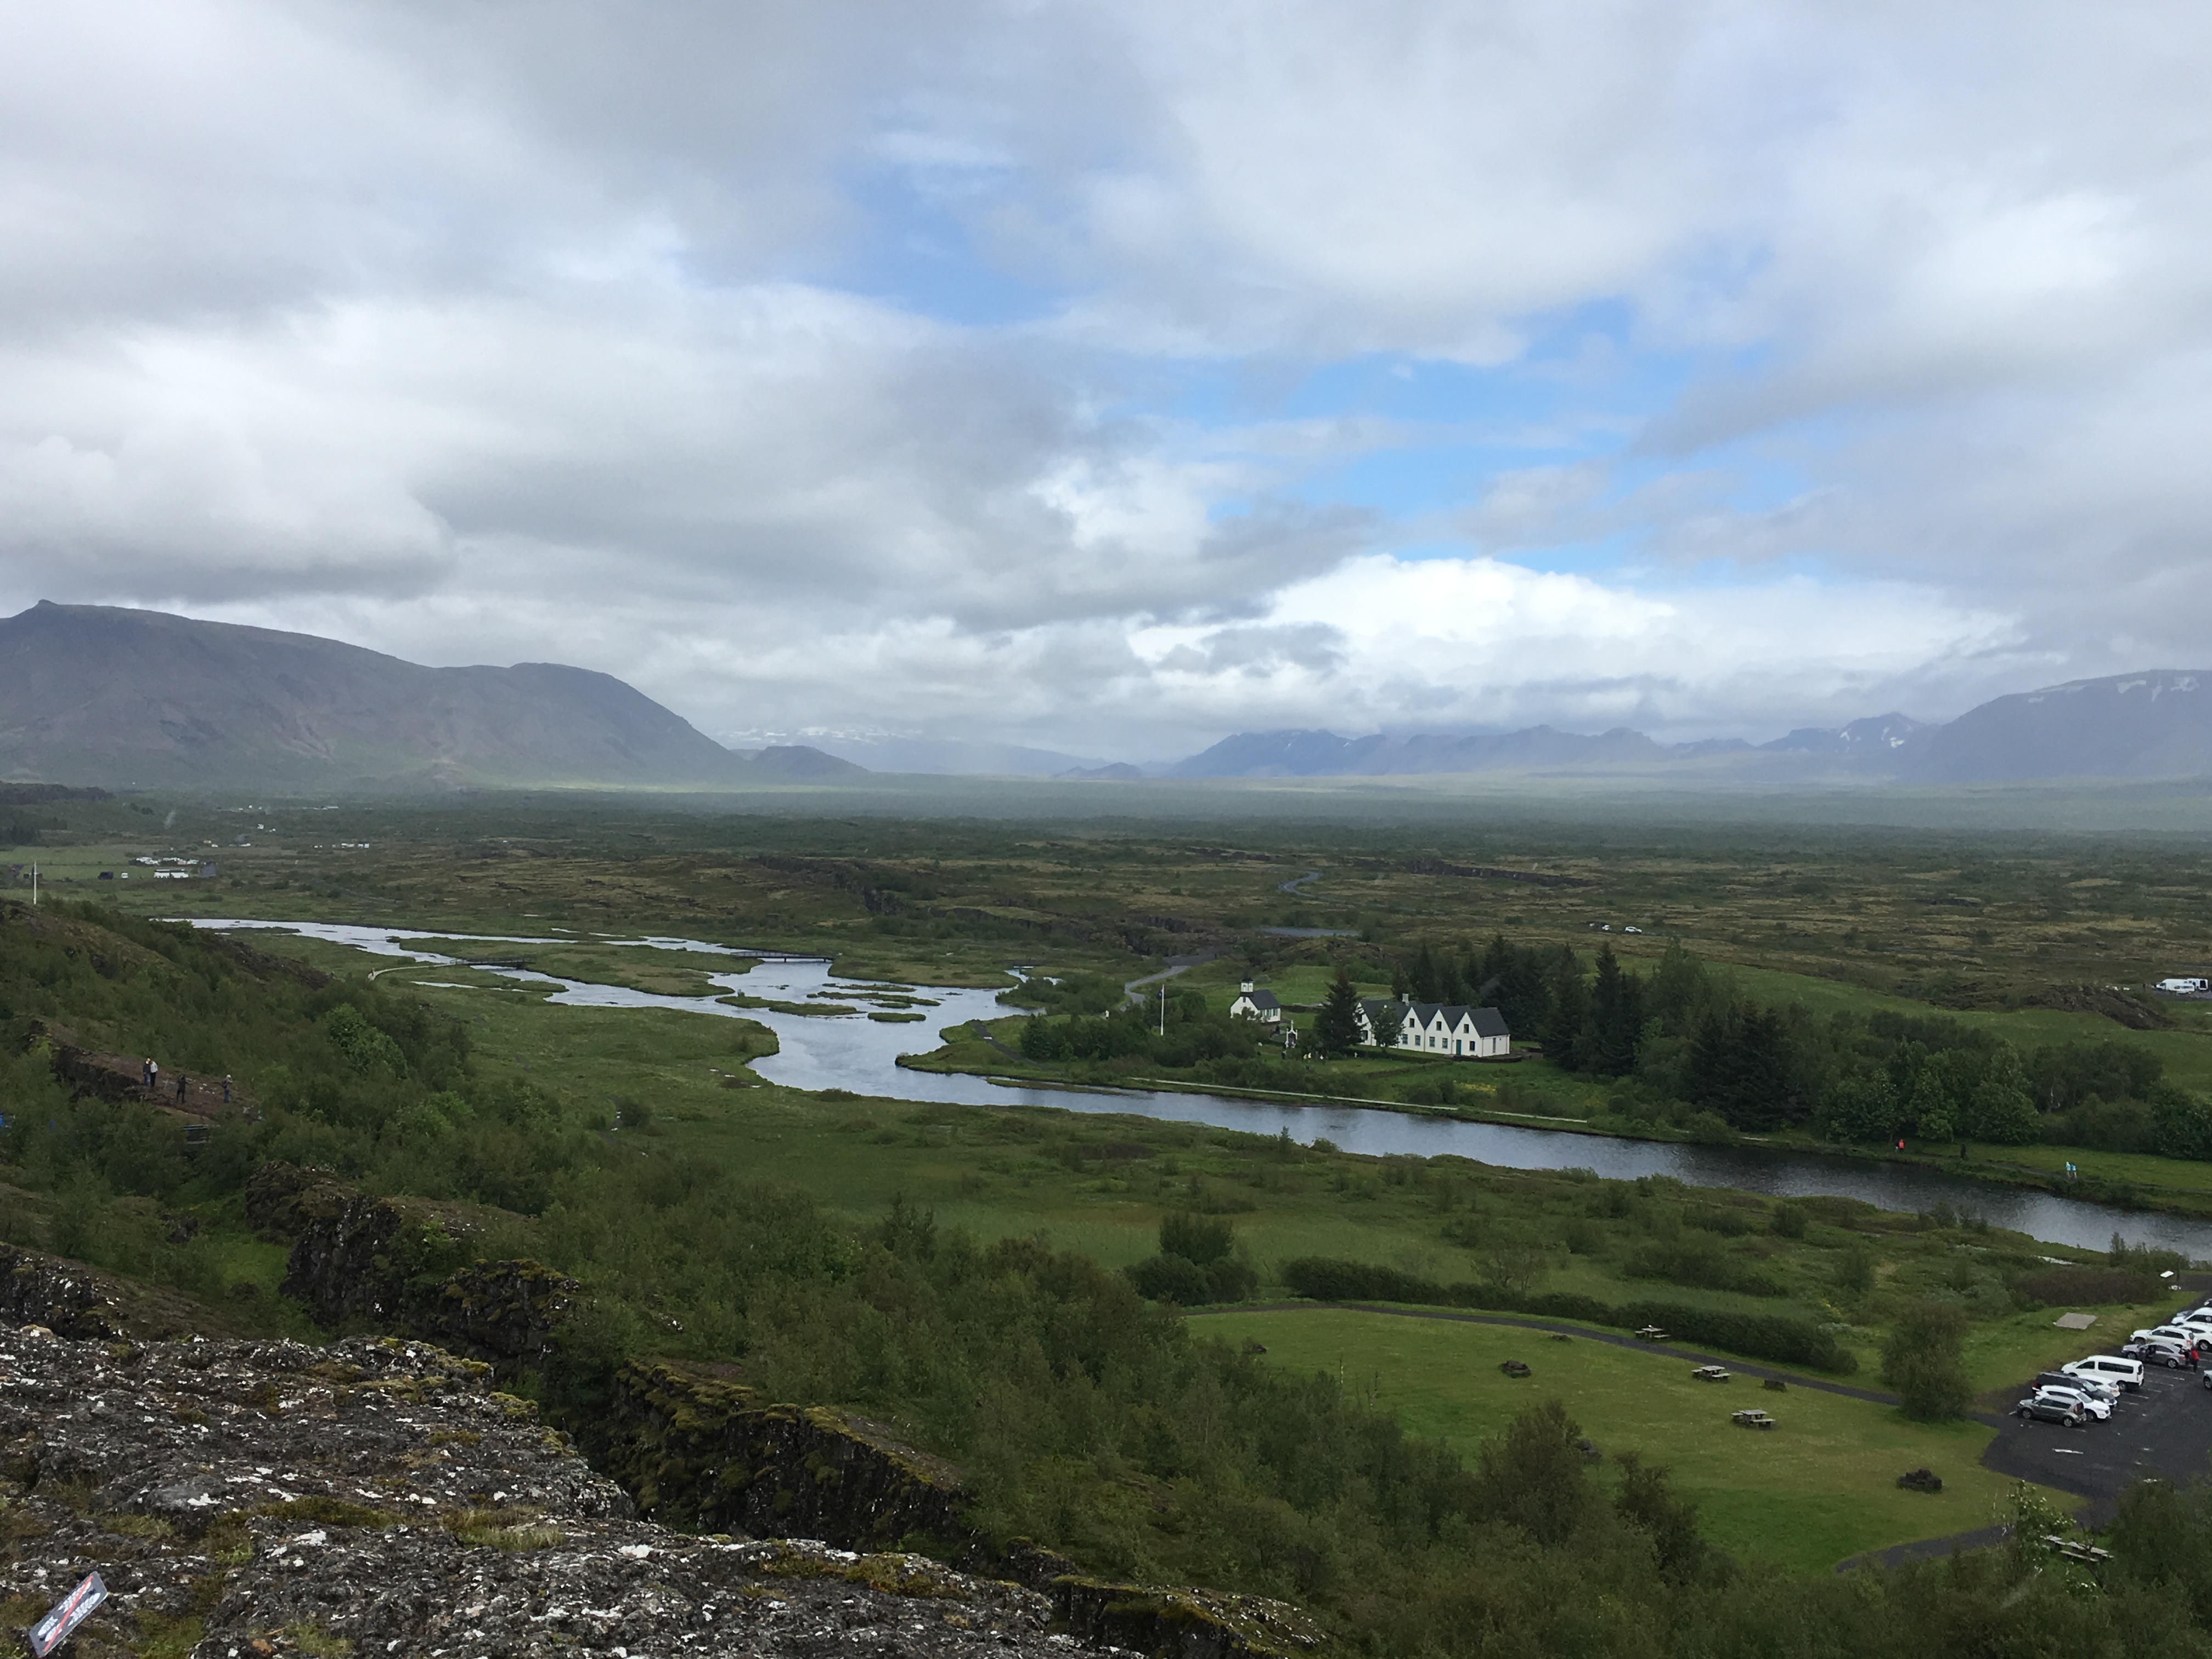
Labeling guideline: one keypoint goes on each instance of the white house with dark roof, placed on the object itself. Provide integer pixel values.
(1256, 1005)
(1446, 1029)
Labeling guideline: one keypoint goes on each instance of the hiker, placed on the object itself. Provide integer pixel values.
(182, 1081)
(146, 1075)
(226, 1092)
(153, 1073)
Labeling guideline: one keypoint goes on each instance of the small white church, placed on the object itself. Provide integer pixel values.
(1251, 1003)
(1445, 1028)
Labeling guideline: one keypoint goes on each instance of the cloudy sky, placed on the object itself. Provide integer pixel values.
(1113, 376)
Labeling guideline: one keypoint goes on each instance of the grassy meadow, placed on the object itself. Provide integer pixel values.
(1807, 1494)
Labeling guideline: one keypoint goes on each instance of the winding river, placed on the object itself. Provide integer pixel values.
(860, 1054)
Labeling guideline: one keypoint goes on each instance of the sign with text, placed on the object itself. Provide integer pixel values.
(72, 1610)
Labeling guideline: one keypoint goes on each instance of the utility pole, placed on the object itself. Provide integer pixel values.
(35, 887)
(1164, 1007)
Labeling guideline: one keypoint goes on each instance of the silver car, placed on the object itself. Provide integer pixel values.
(2096, 1410)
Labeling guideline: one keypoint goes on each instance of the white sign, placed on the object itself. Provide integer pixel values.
(72, 1610)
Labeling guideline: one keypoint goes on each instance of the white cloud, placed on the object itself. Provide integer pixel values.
(509, 332)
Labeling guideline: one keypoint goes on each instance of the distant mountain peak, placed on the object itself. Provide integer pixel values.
(101, 694)
(2150, 724)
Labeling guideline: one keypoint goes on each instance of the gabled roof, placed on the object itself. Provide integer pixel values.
(1258, 998)
(1486, 1022)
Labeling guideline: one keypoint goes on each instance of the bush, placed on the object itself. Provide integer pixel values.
(1924, 1361)
(2086, 1286)
(1756, 1336)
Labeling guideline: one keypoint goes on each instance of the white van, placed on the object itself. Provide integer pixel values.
(2108, 1368)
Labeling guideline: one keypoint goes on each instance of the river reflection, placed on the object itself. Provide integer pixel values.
(851, 1052)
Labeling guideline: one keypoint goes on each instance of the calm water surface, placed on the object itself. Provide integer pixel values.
(852, 1051)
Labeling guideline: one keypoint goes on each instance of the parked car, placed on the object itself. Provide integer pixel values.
(2096, 1411)
(2181, 1336)
(2095, 1389)
(2108, 1368)
(2174, 1356)
(2051, 1408)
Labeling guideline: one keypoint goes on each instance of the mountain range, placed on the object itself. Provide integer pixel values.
(98, 695)
(94, 694)
(2152, 724)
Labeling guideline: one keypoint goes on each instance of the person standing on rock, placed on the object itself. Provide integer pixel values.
(226, 1090)
(146, 1074)
(153, 1073)
(183, 1082)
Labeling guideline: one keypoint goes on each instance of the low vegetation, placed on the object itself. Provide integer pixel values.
(1007, 1286)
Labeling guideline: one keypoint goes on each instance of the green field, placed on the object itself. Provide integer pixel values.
(1818, 1489)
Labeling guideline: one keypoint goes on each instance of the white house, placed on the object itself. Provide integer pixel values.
(1256, 1005)
(1439, 1027)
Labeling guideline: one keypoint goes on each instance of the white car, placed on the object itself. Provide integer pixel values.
(2181, 1335)
(2107, 1368)
(2089, 1404)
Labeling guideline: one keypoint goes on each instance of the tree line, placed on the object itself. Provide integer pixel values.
(1680, 1041)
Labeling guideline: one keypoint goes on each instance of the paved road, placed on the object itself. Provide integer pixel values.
(1296, 883)
(1134, 988)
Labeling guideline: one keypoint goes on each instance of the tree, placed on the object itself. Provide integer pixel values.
(1616, 1017)
(1336, 1028)
(1648, 1501)
(1569, 1012)
(1928, 1106)
(1520, 997)
(1738, 1067)
(1533, 1476)
(2001, 1116)
(1924, 1361)
(1862, 1107)
(1427, 977)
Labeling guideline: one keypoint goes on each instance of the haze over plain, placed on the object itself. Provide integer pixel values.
(1113, 379)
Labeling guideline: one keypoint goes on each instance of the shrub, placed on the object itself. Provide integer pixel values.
(2088, 1286)
(1757, 1336)
(1924, 1361)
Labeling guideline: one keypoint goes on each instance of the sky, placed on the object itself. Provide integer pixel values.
(1111, 377)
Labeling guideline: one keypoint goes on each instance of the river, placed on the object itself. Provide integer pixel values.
(860, 1054)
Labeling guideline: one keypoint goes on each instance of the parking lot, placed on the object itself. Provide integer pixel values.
(2166, 1429)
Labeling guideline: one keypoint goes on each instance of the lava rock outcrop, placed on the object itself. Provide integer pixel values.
(377, 1495)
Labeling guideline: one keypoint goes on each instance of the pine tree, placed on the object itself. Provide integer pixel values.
(1569, 1011)
(1616, 1017)
(1336, 1028)
(1522, 996)
(1762, 1082)
(1428, 982)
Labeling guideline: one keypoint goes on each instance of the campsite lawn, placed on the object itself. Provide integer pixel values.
(1818, 1489)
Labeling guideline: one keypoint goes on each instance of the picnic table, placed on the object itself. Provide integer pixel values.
(2075, 1550)
(1712, 1373)
(1651, 1333)
(1751, 1419)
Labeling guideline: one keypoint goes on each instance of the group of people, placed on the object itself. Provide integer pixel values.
(151, 1076)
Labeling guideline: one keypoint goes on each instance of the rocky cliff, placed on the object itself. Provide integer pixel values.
(692, 1448)
(377, 1495)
